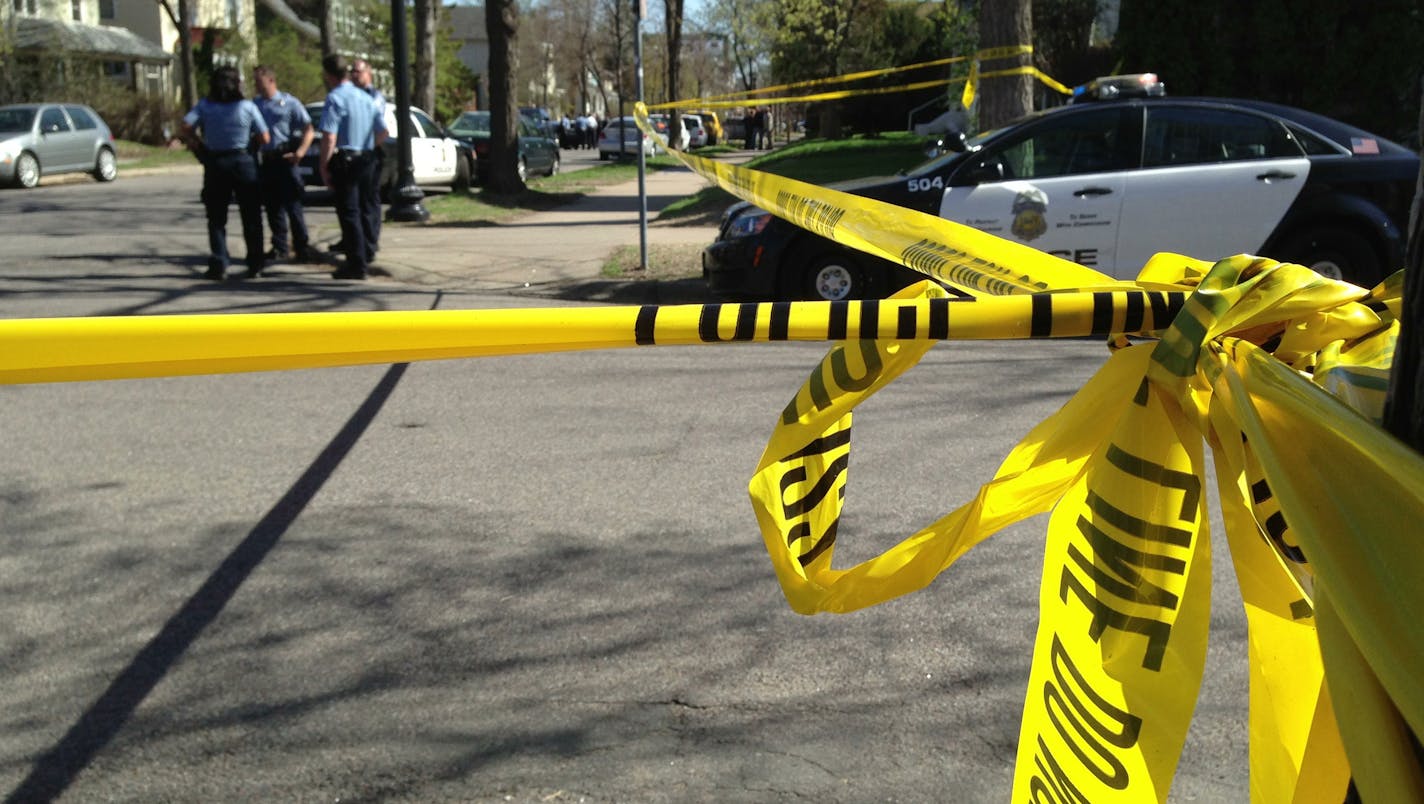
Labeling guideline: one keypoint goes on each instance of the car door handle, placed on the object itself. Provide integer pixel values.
(1091, 191)
(1275, 174)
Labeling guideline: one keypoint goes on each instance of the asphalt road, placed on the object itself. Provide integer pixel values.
(509, 579)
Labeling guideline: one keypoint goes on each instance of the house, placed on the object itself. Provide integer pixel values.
(48, 45)
(229, 25)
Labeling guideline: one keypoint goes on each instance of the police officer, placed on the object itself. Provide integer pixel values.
(291, 129)
(371, 198)
(352, 128)
(232, 130)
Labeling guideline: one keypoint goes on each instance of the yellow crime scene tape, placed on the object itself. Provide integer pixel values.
(1256, 360)
(754, 97)
(1125, 594)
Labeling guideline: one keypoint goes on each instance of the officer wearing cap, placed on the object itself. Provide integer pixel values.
(351, 129)
(232, 129)
(292, 133)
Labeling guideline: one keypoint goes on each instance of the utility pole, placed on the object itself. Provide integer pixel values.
(640, 10)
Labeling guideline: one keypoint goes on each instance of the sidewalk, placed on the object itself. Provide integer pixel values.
(549, 252)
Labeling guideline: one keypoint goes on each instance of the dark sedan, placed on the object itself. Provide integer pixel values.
(538, 152)
(1109, 183)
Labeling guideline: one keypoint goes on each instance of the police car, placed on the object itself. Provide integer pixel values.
(1109, 180)
(437, 159)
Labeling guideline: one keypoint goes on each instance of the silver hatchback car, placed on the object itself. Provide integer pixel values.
(50, 138)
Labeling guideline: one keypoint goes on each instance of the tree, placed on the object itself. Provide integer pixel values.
(748, 27)
(502, 26)
(672, 22)
(427, 22)
(810, 38)
(182, 19)
(1003, 99)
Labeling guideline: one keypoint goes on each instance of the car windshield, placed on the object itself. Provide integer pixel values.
(473, 123)
(16, 119)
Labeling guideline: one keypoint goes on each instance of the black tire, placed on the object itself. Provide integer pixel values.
(834, 276)
(463, 173)
(1336, 254)
(106, 167)
(603, 156)
(523, 170)
(27, 170)
(554, 166)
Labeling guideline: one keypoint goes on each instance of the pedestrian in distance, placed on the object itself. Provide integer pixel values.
(232, 129)
(291, 136)
(590, 136)
(352, 129)
(371, 198)
(749, 128)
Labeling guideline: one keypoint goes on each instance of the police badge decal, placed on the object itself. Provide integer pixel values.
(1030, 211)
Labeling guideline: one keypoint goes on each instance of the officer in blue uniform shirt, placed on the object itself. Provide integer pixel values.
(232, 130)
(371, 199)
(351, 130)
(292, 133)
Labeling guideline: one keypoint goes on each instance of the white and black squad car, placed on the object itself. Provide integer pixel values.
(1108, 184)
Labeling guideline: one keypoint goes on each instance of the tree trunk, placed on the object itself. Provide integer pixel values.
(328, 28)
(672, 23)
(1404, 406)
(1005, 23)
(502, 26)
(185, 55)
(426, 25)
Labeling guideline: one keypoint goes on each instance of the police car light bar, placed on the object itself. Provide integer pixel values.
(1115, 86)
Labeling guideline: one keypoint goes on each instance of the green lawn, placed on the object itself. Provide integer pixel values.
(818, 162)
(137, 155)
(479, 206)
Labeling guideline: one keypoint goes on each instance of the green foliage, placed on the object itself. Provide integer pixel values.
(295, 58)
(454, 83)
(1355, 63)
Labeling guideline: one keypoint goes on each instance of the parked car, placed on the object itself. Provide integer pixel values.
(38, 139)
(663, 125)
(538, 153)
(542, 120)
(437, 159)
(1111, 182)
(696, 134)
(713, 125)
(622, 137)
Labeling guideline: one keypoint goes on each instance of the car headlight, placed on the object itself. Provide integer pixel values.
(749, 223)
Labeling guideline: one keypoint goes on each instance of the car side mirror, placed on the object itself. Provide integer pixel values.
(984, 172)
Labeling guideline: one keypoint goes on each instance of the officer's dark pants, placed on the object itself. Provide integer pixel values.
(350, 174)
(282, 199)
(225, 174)
(371, 204)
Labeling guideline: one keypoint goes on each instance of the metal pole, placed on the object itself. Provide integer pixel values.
(405, 200)
(642, 159)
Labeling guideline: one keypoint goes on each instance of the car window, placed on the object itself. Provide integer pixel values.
(526, 128)
(472, 123)
(431, 130)
(1312, 144)
(52, 120)
(16, 119)
(83, 121)
(1192, 136)
(1069, 145)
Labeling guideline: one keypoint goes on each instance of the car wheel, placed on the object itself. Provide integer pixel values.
(106, 168)
(834, 276)
(1335, 254)
(554, 166)
(463, 171)
(27, 170)
(603, 156)
(523, 170)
